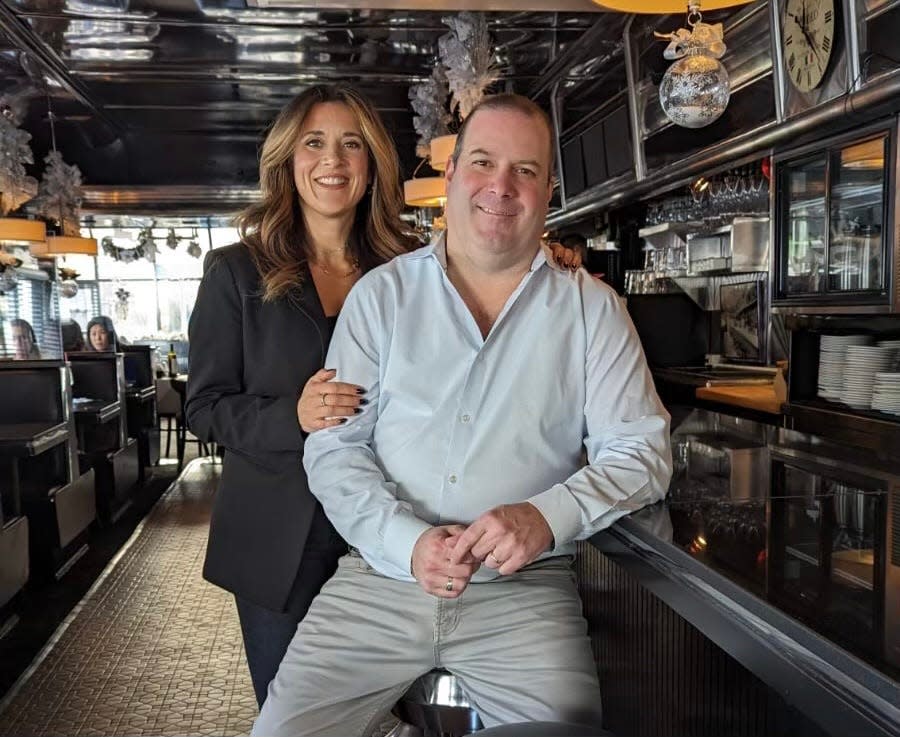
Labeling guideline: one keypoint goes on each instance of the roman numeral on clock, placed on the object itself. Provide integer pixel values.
(789, 40)
(826, 44)
(828, 16)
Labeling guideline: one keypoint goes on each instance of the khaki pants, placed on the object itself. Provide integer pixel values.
(519, 645)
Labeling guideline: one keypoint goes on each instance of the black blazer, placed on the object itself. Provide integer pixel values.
(249, 361)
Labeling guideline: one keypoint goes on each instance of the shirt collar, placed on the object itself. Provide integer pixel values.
(438, 249)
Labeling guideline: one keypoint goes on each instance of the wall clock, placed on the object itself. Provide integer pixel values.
(808, 40)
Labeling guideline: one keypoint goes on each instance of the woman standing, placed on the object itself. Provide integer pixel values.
(330, 211)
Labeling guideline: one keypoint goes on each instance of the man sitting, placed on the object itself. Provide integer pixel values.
(460, 484)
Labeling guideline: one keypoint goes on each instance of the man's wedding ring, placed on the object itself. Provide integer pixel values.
(449, 584)
(496, 559)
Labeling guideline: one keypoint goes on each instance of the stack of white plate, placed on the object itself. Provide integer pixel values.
(886, 393)
(860, 367)
(895, 344)
(832, 352)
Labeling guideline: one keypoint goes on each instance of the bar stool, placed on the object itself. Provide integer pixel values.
(435, 706)
(544, 729)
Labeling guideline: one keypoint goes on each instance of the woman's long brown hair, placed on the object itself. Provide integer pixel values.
(273, 228)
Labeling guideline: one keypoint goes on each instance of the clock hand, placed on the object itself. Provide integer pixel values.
(800, 21)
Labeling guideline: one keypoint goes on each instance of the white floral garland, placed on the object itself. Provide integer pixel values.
(468, 58)
(431, 118)
(60, 193)
(16, 187)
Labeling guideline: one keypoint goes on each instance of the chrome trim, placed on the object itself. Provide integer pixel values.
(777, 60)
(23, 38)
(637, 132)
(171, 200)
(554, 118)
(851, 28)
(832, 309)
(882, 96)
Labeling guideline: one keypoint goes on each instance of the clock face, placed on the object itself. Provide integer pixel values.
(807, 40)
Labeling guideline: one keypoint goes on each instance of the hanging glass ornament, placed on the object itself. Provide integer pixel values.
(122, 297)
(172, 239)
(68, 287)
(194, 249)
(695, 90)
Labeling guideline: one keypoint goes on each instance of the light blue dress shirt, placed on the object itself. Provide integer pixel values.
(457, 424)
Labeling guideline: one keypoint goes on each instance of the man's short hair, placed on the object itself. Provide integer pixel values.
(511, 102)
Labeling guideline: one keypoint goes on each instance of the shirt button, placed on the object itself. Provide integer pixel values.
(465, 418)
(452, 478)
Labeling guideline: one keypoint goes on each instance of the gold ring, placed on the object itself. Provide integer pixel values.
(449, 584)
(324, 403)
(496, 559)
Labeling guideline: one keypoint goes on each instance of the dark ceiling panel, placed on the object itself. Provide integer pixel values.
(157, 92)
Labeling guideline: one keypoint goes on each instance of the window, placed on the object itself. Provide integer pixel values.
(144, 299)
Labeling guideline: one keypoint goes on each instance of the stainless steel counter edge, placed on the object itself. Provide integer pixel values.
(838, 691)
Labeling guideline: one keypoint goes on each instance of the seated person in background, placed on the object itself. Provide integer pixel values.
(101, 335)
(72, 337)
(24, 342)
(486, 369)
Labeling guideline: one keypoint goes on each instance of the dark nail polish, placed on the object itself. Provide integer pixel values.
(363, 401)
(360, 390)
(356, 410)
(342, 420)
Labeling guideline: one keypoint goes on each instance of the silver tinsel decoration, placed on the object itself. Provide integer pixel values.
(15, 186)
(429, 101)
(468, 59)
(60, 193)
(147, 245)
(194, 249)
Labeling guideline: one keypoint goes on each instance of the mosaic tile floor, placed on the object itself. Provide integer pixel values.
(152, 649)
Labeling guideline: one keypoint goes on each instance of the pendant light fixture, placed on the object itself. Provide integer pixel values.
(22, 232)
(441, 150)
(425, 192)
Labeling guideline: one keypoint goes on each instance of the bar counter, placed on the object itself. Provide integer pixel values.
(790, 575)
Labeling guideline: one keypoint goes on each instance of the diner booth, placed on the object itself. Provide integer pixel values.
(47, 500)
(100, 409)
(140, 404)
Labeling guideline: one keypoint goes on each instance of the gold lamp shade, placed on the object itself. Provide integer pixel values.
(441, 149)
(22, 231)
(61, 245)
(661, 7)
(425, 192)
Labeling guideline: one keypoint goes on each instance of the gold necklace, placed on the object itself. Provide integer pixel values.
(325, 271)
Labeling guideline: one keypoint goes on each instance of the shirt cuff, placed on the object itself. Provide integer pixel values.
(561, 512)
(400, 538)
